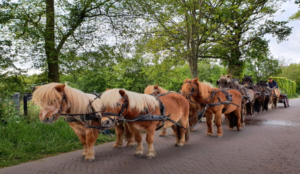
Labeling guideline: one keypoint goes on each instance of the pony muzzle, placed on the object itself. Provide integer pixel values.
(49, 120)
(107, 123)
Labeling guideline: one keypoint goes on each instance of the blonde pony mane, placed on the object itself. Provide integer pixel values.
(137, 101)
(78, 101)
(150, 89)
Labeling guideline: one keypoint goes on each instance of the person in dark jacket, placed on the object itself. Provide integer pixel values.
(272, 83)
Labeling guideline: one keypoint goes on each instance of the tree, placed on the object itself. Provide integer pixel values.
(296, 16)
(52, 26)
(292, 72)
(247, 23)
(181, 30)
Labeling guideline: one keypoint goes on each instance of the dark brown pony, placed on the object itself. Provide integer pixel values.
(131, 105)
(261, 99)
(273, 94)
(249, 96)
(205, 95)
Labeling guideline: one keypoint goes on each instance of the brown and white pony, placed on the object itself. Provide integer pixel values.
(51, 102)
(204, 94)
(176, 107)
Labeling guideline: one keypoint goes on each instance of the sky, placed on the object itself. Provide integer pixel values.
(288, 50)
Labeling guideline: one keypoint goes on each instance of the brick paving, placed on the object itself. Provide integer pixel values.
(268, 143)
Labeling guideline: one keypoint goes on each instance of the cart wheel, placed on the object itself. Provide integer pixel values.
(286, 102)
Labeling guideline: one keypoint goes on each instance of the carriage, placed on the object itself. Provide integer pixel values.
(283, 98)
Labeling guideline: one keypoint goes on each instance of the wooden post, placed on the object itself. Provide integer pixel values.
(25, 98)
(16, 97)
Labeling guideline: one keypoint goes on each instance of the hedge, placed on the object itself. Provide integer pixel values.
(287, 84)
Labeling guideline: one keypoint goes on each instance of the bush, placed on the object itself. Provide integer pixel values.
(287, 84)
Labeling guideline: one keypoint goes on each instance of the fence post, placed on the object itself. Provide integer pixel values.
(25, 98)
(16, 97)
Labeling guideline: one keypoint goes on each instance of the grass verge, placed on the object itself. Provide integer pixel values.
(22, 140)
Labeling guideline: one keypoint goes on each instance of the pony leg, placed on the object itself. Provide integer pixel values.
(129, 136)
(228, 116)
(163, 132)
(150, 139)
(184, 122)
(80, 132)
(91, 137)
(209, 124)
(138, 139)
(218, 122)
(237, 113)
(119, 131)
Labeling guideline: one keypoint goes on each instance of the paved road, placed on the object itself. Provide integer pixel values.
(268, 143)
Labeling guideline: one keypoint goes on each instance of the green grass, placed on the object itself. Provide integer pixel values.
(25, 139)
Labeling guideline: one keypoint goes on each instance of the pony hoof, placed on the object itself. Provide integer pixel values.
(178, 145)
(162, 135)
(89, 160)
(208, 135)
(239, 129)
(230, 128)
(150, 157)
(130, 145)
(117, 147)
(219, 136)
(138, 154)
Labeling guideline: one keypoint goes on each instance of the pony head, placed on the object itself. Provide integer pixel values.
(263, 84)
(247, 80)
(190, 87)
(51, 101)
(225, 82)
(124, 103)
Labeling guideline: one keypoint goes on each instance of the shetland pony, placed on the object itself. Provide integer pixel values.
(156, 90)
(135, 104)
(203, 94)
(194, 108)
(51, 102)
(274, 94)
(248, 95)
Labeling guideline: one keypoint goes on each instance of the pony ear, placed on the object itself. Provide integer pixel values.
(60, 88)
(107, 89)
(229, 75)
(122, 92)
(186, 80)
(156, 86)
(195, 80)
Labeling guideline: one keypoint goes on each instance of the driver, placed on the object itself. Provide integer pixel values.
(272, 83)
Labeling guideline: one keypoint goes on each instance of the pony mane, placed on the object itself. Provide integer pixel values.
(137, 101)
(79, 101)
(207, 83)
(204, 89)
(150, 89)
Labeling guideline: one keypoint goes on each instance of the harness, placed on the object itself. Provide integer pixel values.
(80, 117)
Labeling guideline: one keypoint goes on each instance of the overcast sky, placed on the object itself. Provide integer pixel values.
(289, 49)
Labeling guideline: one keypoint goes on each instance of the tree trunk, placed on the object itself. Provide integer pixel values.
(193, 64)
(51, 54)
(235, 65)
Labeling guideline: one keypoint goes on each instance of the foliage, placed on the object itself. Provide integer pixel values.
(296, 16)
(292, 72)
(262, 68)
(288, 85)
